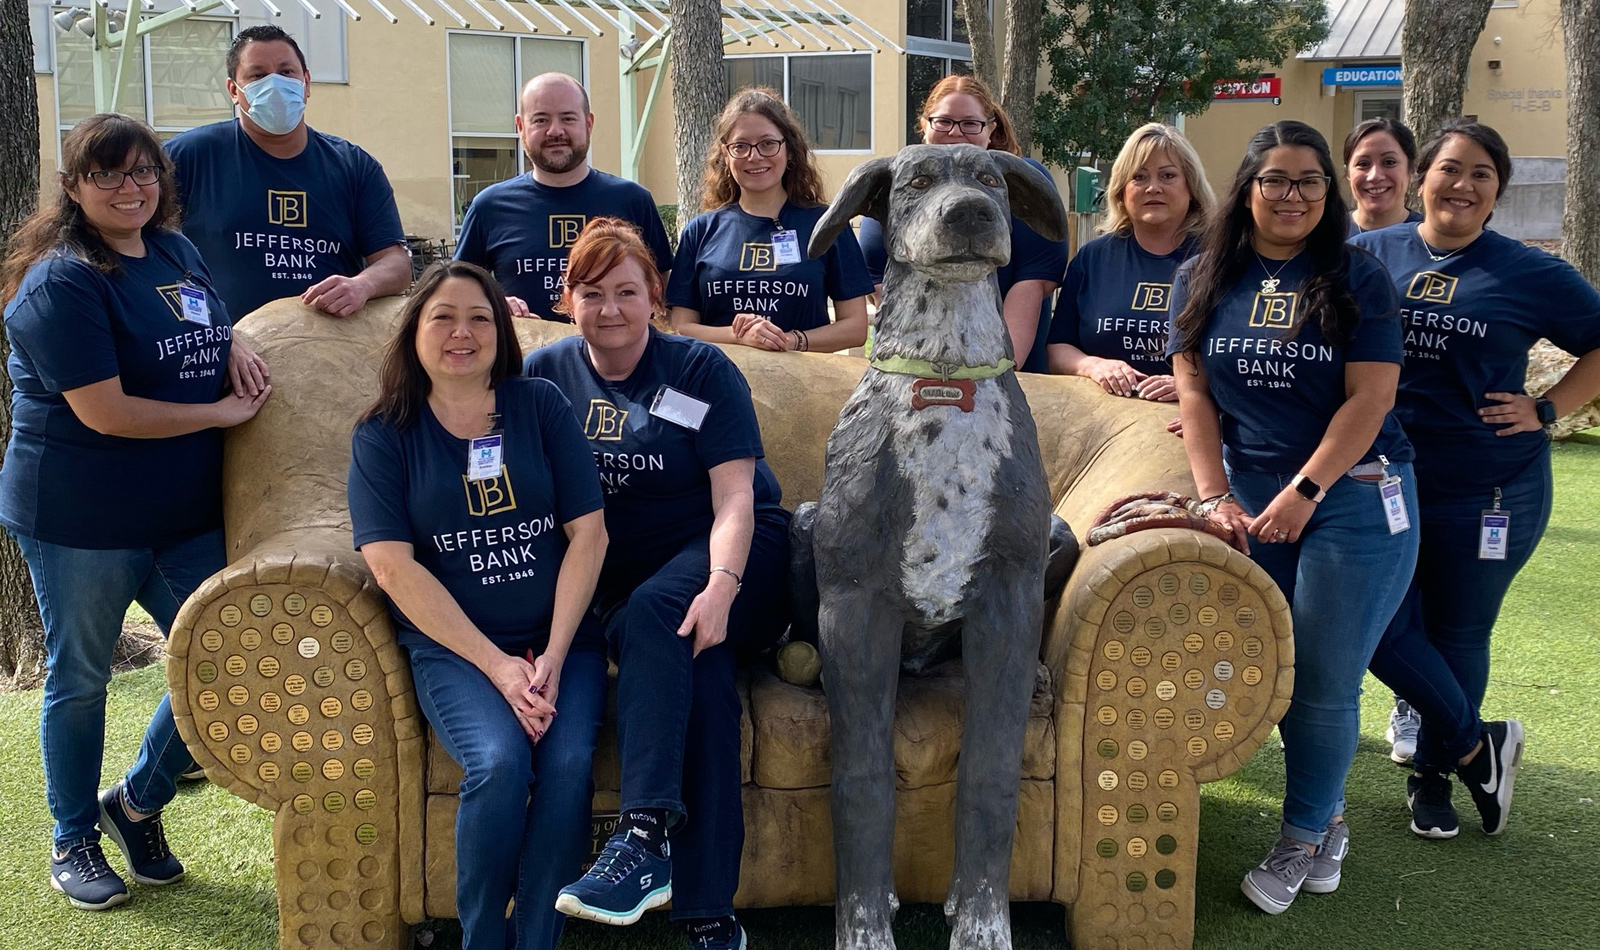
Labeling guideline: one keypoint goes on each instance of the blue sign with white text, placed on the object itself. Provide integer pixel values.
(1361, 76)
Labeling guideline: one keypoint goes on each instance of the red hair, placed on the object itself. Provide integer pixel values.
(603, 244)
(1004, 137)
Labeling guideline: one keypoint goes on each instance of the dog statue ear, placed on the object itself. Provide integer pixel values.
(1034, 198)
(866, 192)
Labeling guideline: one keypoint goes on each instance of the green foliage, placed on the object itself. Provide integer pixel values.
(1117, 64)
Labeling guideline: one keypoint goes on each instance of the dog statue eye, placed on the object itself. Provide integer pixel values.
(921, 181)
(989, 179)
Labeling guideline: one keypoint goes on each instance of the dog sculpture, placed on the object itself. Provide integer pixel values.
(930, 535)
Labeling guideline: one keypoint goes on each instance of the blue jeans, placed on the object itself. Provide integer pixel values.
(1343, 579)
(1435, 653)
(83, 595)
(678, 714)
(511, 843)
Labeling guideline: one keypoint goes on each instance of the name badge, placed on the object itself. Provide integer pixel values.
(484, 457)
(195, 309)
(679, 408)
(1494, 532)
(1394, 504)
(786, 247)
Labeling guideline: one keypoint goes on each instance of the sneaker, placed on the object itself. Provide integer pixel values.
(1404, 723)
(720, 933)
(1328, 863)
(624, 882)
(1273, 884)
(143, 843)
(1489, 775)
(84, 876)
(1428, 797)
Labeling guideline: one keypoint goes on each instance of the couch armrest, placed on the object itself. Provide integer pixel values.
(1173, 659)
(288, 687)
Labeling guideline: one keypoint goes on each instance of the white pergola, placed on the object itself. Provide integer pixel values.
(643, 29)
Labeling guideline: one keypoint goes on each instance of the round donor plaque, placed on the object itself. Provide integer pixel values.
(1138, 781)
(268, 667)
(211, 640)
(250, 639)
(205, 671)
(309, 647)
(294, 684)
(322, 676)
(321, 615)
(1199, 584)
(355, 669)
(231, 615)
(303, 804)
(363, 768)
(1143, 597)
(299, 714)
(362, 734)
(331, 707)
(366, 798)
(261, 605)
(294, 605)
(333, 770)
(341, 641)
(1109, 780)
(361, 700)
(207, 700)
(1106, 715)
(282, 633)
(1108, 814)
(1168, 779)
(367, 833)
(1106, 848)
(1168, 584)
(238, 695)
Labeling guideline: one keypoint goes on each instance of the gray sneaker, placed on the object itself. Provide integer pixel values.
(1273, 884)
(1328, 862)
(1404, 724)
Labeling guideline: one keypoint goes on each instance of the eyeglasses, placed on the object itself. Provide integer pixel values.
(1277, 187)
(943, 123)
(109, 179)
(766, 148)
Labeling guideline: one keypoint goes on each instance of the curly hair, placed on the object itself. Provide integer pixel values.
(59, 226)
(801, 180)
(1004, 137)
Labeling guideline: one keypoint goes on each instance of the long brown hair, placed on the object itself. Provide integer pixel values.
(1004, 137)
(801, 180)
(601, 246)
(100, 141)
(403, 385)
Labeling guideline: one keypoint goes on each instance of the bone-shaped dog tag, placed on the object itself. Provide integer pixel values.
(942, 392)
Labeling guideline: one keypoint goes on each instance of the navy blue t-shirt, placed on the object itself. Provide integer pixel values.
(520, 230)
(1277, 389)
(495, 544)
(1114, 301)
(726, 265)
(272, 227)
(656, 473)
(1468, 322)
(1411, 217)
(70, 326)
(1032, 258)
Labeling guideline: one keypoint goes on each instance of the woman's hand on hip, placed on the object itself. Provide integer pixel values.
(1512, 412)
(1284, 519)
(707, 619)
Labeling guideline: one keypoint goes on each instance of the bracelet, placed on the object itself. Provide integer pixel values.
(738, 582)
(805, 343)
(1206, 506)
(795, 335)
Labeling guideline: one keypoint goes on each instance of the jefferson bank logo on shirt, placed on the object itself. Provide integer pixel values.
(1432, 287)
(490, 496)
(1274, 310)
(1150, 296)
(564, 229)
(286, 208)
(169, 293)
(758, 256)
(605, 421)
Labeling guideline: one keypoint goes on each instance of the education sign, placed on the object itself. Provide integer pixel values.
(1361, 76)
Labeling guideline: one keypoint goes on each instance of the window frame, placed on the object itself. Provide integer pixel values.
(872, 81)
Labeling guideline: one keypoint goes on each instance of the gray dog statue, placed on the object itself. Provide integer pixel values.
(931, 532)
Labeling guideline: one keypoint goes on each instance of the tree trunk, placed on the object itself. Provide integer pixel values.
(21, 635)
(1023, 20)
(697, 93)
(980, 32)
(1436, 42)
(1580, 223)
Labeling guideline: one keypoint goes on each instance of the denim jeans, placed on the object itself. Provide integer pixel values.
(511, 843)
(83, 595)
(678, 714)
(1435, 653)
(1343, 579)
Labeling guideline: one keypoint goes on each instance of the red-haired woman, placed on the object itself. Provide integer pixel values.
(695, 576)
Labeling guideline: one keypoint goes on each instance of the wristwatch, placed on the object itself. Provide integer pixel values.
(1546, 410)
(1308, 489)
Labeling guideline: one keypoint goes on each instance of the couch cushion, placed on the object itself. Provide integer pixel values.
(792, 744)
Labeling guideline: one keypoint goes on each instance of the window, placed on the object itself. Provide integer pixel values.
(937, 45)
(922, 74)
(39, 25)
(937, 20)
(831, 94)
(486, 74)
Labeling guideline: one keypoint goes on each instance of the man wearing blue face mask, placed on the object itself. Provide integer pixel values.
(279, 209)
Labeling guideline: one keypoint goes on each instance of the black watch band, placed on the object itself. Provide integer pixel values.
(1546, 410)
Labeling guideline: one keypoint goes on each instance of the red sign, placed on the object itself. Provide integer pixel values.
(1271, 88)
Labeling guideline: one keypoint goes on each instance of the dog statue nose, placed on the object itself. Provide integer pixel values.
(969, 213)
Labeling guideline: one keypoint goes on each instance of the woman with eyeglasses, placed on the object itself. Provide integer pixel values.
(960, 110)
(741, 274)
(122, 358)
(1473, 302)
(1286, 348)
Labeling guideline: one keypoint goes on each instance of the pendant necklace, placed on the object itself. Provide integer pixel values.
(1270, 284)
(1436, 258)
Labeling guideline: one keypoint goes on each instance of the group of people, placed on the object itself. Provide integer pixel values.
(1349, 388)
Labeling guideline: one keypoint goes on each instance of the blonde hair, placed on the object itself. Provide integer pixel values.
(1003, 138)
(1143, 143)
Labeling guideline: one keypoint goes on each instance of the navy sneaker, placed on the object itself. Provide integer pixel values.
(624, 882)
(1489, 775)
(84, 876)
(1428, 797)
(143, 843)
(717, 933)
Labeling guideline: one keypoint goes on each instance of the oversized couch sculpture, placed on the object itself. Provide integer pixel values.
(1165, 663)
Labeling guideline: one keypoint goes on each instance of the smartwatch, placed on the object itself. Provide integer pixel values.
(1308, 489)
(1546, 411)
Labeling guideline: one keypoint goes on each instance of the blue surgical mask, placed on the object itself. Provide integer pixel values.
(277, 103)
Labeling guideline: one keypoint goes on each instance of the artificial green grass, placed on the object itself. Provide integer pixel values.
(1528, 889)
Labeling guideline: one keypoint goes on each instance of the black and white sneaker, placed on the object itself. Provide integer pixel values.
(1489, 776)
(1428, 797)
(143, 842)
(83, 875)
